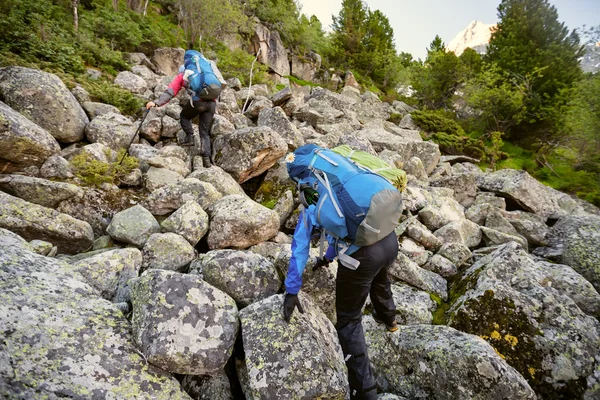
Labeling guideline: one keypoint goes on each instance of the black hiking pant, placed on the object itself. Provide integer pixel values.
(205, 110)
(352, 287)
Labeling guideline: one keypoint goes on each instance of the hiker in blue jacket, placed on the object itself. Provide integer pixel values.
(352, 287)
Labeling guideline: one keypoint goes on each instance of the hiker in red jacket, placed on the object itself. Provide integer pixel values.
(204, 109)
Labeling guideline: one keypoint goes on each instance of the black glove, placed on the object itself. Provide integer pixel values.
(289, 303)
(321, 262)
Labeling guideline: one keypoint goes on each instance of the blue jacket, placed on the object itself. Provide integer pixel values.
(307, 223)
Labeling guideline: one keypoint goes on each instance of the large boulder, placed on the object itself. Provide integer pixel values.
(220, 179)
(110, 272)
(45, 100)
(23, 143)
(182, 324)
(61, 340)
(168, 59)
(438, 362)
(134, 226)
(440, 212)
(238, 222)
(301, 359)
(510, 300)
(39, 191)
(249, 152)
(168, 251)
(276, 119)
(112, 130)
(171, 197)
(526, 192)
(270, 49)
(303, 68)
(406, 270)
(189, 221)
(247, 277)
(576, 242)
(132, 82)
(32, 221)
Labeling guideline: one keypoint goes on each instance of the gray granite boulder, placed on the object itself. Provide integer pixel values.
(492, 237)
(94, 109)
(438, 362)
(509, 299)
(112, 130)
(10, 239)
(22, 143)
(220, 179)
(575, 241)
(249, 152)
(245, 276)
(406, 270)
(276, 119)
(441, 266)
(156, 178)
(171, 197)
(238, 222)
(462, 231)
(110, 272)
(39, 191)
(413, 306)
(189, 221)
(168, 59)
(44, 99)
(63, 337)
(133, 225)
(32, 221)
(441, 212)
(182, 324)
(215, 387)
(457, 253)
(301, 359)
(256, 106)
(168, 251)
(56, 167)
(132, 82)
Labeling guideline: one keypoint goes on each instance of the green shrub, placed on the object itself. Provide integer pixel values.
(395, 118)
(94, 173)
(106, 92)
(237, 64)
(437, 121)
(300, 82)
(460, 145)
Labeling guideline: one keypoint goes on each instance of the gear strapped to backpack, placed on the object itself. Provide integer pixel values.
(202, 77)
(353, 205)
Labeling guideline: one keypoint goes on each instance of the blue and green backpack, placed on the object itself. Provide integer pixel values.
(202, 80)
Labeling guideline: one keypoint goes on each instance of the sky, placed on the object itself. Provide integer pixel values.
(416, 22)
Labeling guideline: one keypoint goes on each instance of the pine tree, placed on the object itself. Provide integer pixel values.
(531, 42)
(349, 30)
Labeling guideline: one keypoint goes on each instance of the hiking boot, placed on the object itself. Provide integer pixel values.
(187, 141)
(391, 328)
(206, 162)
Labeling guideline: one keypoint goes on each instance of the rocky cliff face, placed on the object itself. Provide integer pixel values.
(178, 270)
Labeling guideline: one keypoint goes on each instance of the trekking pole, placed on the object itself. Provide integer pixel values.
(134, 135)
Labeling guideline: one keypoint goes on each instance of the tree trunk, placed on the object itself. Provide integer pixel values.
(74, 4)
(145, 7)
(115, 4)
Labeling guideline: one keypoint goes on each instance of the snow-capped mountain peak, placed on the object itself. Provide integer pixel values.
(476, 36)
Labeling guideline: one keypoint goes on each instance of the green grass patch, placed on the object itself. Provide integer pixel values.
(301, 82)
(93, 172)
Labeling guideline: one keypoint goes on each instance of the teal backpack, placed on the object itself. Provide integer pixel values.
(202, 80)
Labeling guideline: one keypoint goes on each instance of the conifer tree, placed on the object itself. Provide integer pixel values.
(531, 41)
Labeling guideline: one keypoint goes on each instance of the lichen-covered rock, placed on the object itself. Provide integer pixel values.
(443, 211)
(576, 241)
(170, 126)
(525, 191)
(189, 221)
(281, 96)
(215, 387)
(509, 299)
(238, 222)
(256, 106)
(441, 265)
(156, 178)
(276, 119)
(111, 271)
(10, 239)
(32, 221)
(94, 109)
(406, 270)
(415, 167)
(168, 251)
(44, 99)
(56, 167)
(414, 251)
(495, 220)
(168, 59)
(39, 191)
(132, 82)
(532, 227)
(133, 225)
(492, 237)
(220, 179)
(171, 197)
(457, 253)
(438, 362)
(464, 186)
(23, 143)
(182, 324)
(247, 277)
(301, 359)
(63, 338)
(175, 164)
(249, 152)
(419, 232)
(112, 130)
(413, 306)
(460, 231)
